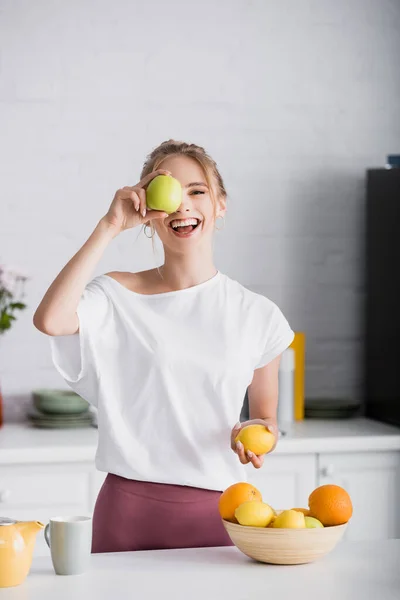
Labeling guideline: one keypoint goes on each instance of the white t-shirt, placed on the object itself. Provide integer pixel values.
(168, 374)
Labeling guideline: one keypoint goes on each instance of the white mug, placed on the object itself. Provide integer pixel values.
(70, 543)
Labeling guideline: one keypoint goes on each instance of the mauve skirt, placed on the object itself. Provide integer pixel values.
(138, 515)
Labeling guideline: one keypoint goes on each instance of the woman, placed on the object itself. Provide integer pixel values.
(166, 356)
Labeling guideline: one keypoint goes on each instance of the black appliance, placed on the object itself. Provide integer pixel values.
(381, 355)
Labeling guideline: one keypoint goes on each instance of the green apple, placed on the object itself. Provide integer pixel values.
(164, 193)
(312, 523)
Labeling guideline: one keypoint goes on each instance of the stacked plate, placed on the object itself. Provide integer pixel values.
(59, 409)
(331, 408)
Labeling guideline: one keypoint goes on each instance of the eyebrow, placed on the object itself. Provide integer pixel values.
(196, 183)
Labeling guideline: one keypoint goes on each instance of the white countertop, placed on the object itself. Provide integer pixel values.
(22, 443)
(342, 435)
(367, 570)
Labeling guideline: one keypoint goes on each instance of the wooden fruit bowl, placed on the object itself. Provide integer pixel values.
(284, 546)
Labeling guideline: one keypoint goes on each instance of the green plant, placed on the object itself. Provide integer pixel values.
(12, 286)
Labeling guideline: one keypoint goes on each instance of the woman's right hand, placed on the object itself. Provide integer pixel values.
(128, 209)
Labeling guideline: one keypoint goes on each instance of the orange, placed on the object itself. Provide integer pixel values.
(330, 504)
(234, 496)
(305, 511)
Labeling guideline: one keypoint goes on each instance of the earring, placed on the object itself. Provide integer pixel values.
(146, 227)
(222, 223)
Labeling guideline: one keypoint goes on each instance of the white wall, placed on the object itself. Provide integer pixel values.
(294, 99)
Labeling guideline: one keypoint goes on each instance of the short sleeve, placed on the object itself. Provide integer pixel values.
(278, 336)
(75, 356)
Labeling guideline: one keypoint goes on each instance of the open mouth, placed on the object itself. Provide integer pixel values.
(184, 227)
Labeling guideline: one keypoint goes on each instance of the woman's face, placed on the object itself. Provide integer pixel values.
(194, 221)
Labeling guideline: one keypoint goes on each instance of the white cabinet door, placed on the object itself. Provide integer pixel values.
(285, 481)
(373, 482)
(37, 492)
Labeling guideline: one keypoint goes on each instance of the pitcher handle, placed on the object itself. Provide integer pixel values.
(47, 535)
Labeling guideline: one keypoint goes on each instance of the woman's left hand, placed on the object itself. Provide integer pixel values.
(246, 457)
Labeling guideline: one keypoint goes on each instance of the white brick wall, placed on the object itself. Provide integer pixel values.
(293, 99)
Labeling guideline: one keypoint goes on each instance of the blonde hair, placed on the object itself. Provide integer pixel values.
(174, 148)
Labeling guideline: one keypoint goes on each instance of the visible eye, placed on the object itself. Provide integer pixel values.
(196, 192)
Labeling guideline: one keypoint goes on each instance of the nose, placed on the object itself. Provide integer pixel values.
(185, 204)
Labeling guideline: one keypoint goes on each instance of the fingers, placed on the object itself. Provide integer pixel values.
(142, 197)
(246, 457)
(272, 428)
(135, 199)
(241, 453)
(129, 193)
(138, 197)
(146, 180)
(234, 433)
(238, 446)
(153, 215)
(265, 422)
(256, 461)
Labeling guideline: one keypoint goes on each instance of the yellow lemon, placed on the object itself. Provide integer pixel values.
(254, 514)
(272, 521)
(256, 438)
(305, 511)
(290, 519)
(312, 523)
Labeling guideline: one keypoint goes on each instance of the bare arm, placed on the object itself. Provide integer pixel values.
(263, 392)
(263, 405)
(56, 314)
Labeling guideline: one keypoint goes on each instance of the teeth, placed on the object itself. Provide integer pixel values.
(183, 222)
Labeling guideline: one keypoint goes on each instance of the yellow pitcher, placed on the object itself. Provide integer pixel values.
(17, 541)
